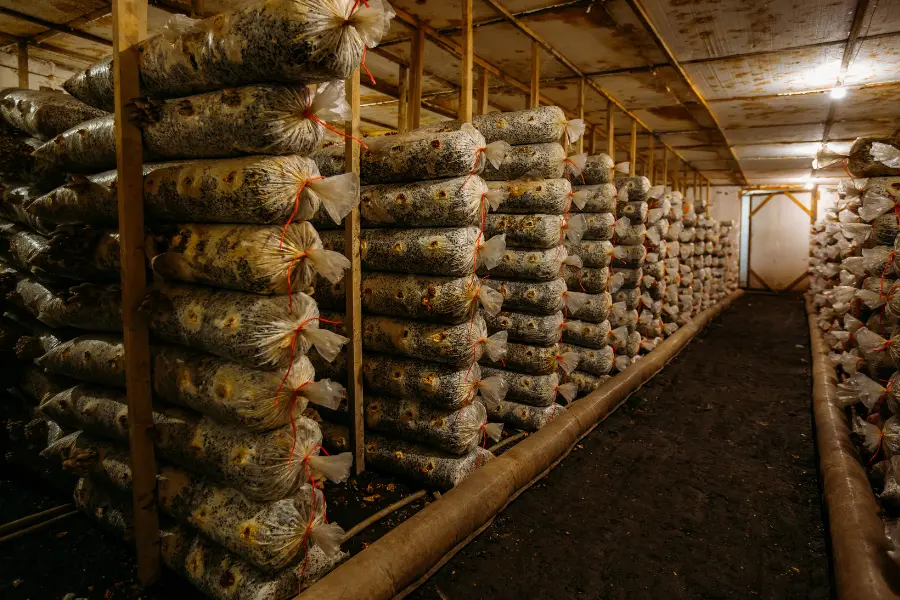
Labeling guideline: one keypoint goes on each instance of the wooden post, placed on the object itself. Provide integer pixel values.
(579, 149)
(353, 286)
(708, 197)
(129, 28)
(534, 99)
(696, 189)
(23, 64)
(464, 113)
(197, 9)
(665, 166)
(481, 102)
(684, 183)
(403, 97)
(417, 71)
(592, 140)
(611, 131)
(632, 156)
(651, 162)
(814, 206)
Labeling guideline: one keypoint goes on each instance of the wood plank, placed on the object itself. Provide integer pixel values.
(803, 207)
(22, 54)
(58, 27)
(416, 67)
(403, 99)
(665, 166)
(708, 197)
(651, 161)
(534, 97)
(814, 208)
(611, 131)
(579, 111)
(761, 280)
(760, 205)
(129, 28)
(632, 152)
(197, 9)
(353, 285)
(484, 83)
(592, 140)
(465, 70)
(795, 282)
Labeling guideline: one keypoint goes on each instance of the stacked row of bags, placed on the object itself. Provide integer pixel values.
(660, 267)
(461, 244)
(674, 264)
(689, 248)
(231, 313)
(855, 280)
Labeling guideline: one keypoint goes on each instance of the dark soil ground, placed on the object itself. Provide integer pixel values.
(702, 486)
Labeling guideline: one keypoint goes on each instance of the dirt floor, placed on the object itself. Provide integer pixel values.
(702, 486)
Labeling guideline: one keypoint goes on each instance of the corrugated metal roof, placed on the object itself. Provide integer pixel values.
(764, 69)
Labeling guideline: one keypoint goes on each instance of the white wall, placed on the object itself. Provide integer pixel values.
(40, 73)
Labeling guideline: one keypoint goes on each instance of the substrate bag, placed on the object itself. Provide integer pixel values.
(533, 360)
(535, 265)
(540, 297)
(541, 125)
(428, 297)
(524, 416)
(588, 335)
(598, 169)
(84, 306)
(289, 41)
(600, 198)
(534, 161)
(263, 259)
(456, 202)
(437, 384)
(428, 251)
(586, 279)
(424, 155)
(533, 196)
(263, 332)
(428, 466)
(456, 430)
(43, 114)
(533, 231)
(527, 328)
(535, 390)
(596, 362)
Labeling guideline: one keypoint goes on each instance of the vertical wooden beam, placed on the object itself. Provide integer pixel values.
(611, 131)
(23, 63)
(632, 155)
(403, 97)
(129, 28)
(592, 141)
(697, 195)
(814, 206)
(353, 286)
(651, 162)
(534, 99)
(665, 167)
(417, 69)
(197, 8)
(684, 183)
(579, 148)
(483, 92)
(708, 197)
(464, 113)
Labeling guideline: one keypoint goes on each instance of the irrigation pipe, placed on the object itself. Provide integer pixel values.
(394, 565)
(24, 522)
(862, 568)
(37, 527)
(382, 514)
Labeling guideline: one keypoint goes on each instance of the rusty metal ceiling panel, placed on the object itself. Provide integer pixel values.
(697, 30)
(881, 17)
(667, 118)
(786, 72)
(770, 150)
(639, 90)
(700, 154)
(786, 110)
(57, 11)
(720, 164)
(17, 27)
(854, 129)
(775, 164)
(868, 104)
(507, 48)
(441, 14)
(685, 138)
(875, 61)
(776, 133)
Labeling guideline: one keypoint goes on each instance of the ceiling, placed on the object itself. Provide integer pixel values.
(739, 90)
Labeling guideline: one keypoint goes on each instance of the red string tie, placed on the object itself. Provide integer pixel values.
(478, 153)
(577, 170)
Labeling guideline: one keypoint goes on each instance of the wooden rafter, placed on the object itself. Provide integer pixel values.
(57, 27)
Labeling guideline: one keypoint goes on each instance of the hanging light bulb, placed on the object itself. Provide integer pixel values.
(838, 92)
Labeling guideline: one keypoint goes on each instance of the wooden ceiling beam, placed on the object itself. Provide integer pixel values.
(59, 28)
(9, 39)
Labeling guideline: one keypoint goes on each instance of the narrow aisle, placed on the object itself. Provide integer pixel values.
(703, 485)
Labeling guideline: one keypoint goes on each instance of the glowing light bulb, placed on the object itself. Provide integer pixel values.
(838, 93)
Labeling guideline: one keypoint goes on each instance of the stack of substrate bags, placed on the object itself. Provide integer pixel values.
(532, 209)
(653, 281)
(425, 310)
(688, 249)
(587, 331)
(28, 118)
(730, 256)
(864, 336)
(627, 262)
(672, 263)
(228, 237)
